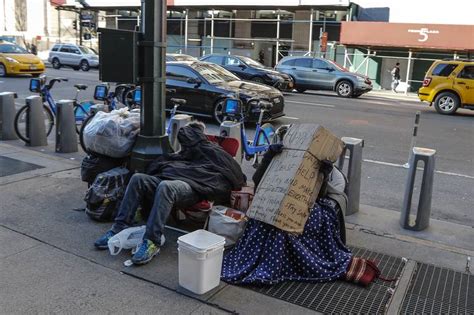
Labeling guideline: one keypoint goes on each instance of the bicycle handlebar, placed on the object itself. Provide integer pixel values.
(50, 85)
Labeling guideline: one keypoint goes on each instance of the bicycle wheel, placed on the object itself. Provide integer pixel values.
(81, 132)
(21, 122)
(81, 112)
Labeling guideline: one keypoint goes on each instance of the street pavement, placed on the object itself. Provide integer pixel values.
(383, 120)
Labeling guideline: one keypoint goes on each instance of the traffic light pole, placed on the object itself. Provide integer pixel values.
(152, 141)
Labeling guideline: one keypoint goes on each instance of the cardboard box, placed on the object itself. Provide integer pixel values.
(292, 182)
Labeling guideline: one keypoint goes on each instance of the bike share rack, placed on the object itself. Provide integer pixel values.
(7, 116)
(177, 122)
(232, 129)
(66, 136)
(422, 220)
(35, 128)
(354, 171)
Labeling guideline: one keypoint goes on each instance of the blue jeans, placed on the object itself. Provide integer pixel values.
(145, 190)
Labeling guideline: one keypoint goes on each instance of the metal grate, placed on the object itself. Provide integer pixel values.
(9, 166)
(339, 296)
(437, 290)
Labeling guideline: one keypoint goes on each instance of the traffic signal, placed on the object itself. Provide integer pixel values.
(87, 36)
(74, 24)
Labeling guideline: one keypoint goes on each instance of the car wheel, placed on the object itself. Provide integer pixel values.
(258, 80)
(56, 64)
(446, 103)
(3, 70)
(301, 90)
(344, 89)
(84, 65)
(219, 111)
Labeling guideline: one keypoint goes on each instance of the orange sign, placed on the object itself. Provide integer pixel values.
(324, 41)
(428, 36)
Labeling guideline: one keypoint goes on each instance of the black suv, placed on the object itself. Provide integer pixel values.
(251, 70)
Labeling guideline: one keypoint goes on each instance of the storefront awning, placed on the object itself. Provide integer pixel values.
(404, 35)
(219, 3)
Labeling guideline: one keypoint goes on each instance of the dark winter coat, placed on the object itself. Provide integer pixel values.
(205, 166)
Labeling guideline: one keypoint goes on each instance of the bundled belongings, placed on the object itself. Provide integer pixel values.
(94, 164)
(227, 222)
(112, 134)
(105, 194)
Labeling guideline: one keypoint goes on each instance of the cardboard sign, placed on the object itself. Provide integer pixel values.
(292, 182)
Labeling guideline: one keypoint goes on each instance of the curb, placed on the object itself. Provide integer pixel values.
(409, 97)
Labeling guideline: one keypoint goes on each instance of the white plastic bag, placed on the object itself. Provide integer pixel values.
(226, 226)
(130, 238)
(112, 134)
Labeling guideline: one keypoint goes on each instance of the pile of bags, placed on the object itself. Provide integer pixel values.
(112, 134)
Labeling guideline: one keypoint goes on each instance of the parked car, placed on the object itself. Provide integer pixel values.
(321, 74)
(17, 60)
(74, 56)
(449, 85)
(205, 86)
(251, 70)
(179, 57)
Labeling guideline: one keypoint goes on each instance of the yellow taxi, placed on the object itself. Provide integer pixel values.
(449, 85)
(17, 60)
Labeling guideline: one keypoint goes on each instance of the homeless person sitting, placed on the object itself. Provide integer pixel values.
(200, 171)
(265, 254)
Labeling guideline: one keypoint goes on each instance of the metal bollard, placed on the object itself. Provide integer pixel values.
(36, 129)
(177, 122)
(7, 116)
(66, 137)
(232, 130)
(424, 204)
(354, 171)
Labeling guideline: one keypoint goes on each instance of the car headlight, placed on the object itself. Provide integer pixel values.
(11, 60)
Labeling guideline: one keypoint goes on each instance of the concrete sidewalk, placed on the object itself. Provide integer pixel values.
(410, 96)
(48, 263)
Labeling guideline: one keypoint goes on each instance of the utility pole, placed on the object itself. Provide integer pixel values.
(152, 141)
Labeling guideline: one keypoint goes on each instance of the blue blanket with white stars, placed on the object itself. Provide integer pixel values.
(267, 255)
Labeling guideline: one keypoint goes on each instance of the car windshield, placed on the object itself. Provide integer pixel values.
(213, 73)
(252, 62)
(12, 49)
(86, 50)
(338, 67)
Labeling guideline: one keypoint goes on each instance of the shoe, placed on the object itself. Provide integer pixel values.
(101, 243)
(145, 253)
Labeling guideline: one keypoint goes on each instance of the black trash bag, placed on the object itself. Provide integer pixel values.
(105, 194)
(94, 164)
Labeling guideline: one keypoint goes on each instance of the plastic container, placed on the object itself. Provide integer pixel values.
(200, 260)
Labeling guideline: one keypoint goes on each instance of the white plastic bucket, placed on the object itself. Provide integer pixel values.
(200, 260)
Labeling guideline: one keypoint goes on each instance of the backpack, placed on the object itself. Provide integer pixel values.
(105, 194)
(94, 164)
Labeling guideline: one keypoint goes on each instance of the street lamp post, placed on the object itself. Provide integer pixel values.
(152, 141)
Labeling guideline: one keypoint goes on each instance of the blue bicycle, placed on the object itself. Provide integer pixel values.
(39, 85)
(234, 111)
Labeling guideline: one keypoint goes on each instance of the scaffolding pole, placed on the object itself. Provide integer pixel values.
(212, 31)
(367, 63)
(186, 20)
(277, 50)
(410, 54)
(310, 43)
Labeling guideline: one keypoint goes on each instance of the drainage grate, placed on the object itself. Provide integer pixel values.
(339, 296)
(9, 166)
(437, 290)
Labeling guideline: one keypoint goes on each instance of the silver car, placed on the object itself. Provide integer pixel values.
(74, 56)
(321, 74)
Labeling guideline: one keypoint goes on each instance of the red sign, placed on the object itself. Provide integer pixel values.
(428, 36)
(324, 42)
(58, 2)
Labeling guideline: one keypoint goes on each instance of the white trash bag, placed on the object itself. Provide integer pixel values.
(130, 238)
(112, 134)
(222, 223)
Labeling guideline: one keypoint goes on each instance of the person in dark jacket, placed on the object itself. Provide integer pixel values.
(200, 171)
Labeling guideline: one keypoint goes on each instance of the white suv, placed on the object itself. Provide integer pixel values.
(75, 56)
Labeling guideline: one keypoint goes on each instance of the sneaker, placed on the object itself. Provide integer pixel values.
(145, 253)
(101, 243)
